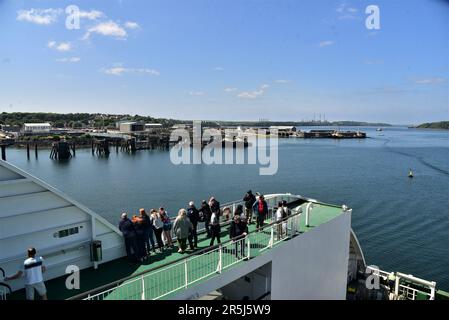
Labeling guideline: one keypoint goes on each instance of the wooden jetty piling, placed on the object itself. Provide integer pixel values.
(60, 151)
(101, 147)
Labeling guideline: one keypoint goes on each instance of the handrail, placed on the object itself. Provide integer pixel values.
(140, 274)
(2, 293)
(2, 284)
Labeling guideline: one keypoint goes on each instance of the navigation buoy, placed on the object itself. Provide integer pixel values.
(410, 173)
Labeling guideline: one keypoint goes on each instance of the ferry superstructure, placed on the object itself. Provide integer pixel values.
(311, 254)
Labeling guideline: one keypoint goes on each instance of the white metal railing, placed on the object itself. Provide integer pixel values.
(4, 291)
(404, 290)
(171, 278)
(162, 282)
(407, 292)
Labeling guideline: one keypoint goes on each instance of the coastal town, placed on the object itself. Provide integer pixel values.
(131, 135)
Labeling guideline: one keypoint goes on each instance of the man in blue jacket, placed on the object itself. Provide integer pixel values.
(129, 234)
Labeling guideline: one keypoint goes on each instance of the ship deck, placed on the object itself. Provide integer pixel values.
(118, 269)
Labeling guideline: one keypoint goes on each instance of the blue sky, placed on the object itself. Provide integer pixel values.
(228, 60)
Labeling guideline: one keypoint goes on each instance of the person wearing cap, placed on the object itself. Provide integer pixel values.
(32, 270)
(126, 226)
(249, 199)
(194, 216)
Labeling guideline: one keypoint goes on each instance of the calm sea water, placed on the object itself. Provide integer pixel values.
(402, 223)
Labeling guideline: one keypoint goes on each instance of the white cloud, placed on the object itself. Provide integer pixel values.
(69, 60)
(62, 46)
(39, 16)
(253, 94)
(91, 15)
(217, 69)
(435, 80)
(282, 81)
(120, 70)
(347, 12)
(250, 94)
(230, 89)
(326, 43)
(131, 25)
(109, 29)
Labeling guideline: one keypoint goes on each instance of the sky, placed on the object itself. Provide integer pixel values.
(228, 59)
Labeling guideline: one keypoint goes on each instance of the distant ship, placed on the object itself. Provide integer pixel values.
(379, 129)
(312, 254)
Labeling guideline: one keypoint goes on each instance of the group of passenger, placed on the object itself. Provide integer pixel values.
(139, 231)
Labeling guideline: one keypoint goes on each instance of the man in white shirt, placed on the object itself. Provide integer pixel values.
(32, 270)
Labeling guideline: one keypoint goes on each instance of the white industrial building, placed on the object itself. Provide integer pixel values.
(37, 127)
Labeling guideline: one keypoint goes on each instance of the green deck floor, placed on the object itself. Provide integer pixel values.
(121, 268)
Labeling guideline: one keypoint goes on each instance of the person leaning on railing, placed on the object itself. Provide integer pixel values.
(167, 227)
(148, 228)
(129, 234)
(157, 225)
(237, 232)
(140, 237)
(280, 214)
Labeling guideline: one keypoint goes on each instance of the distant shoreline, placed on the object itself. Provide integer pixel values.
(441, 125)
